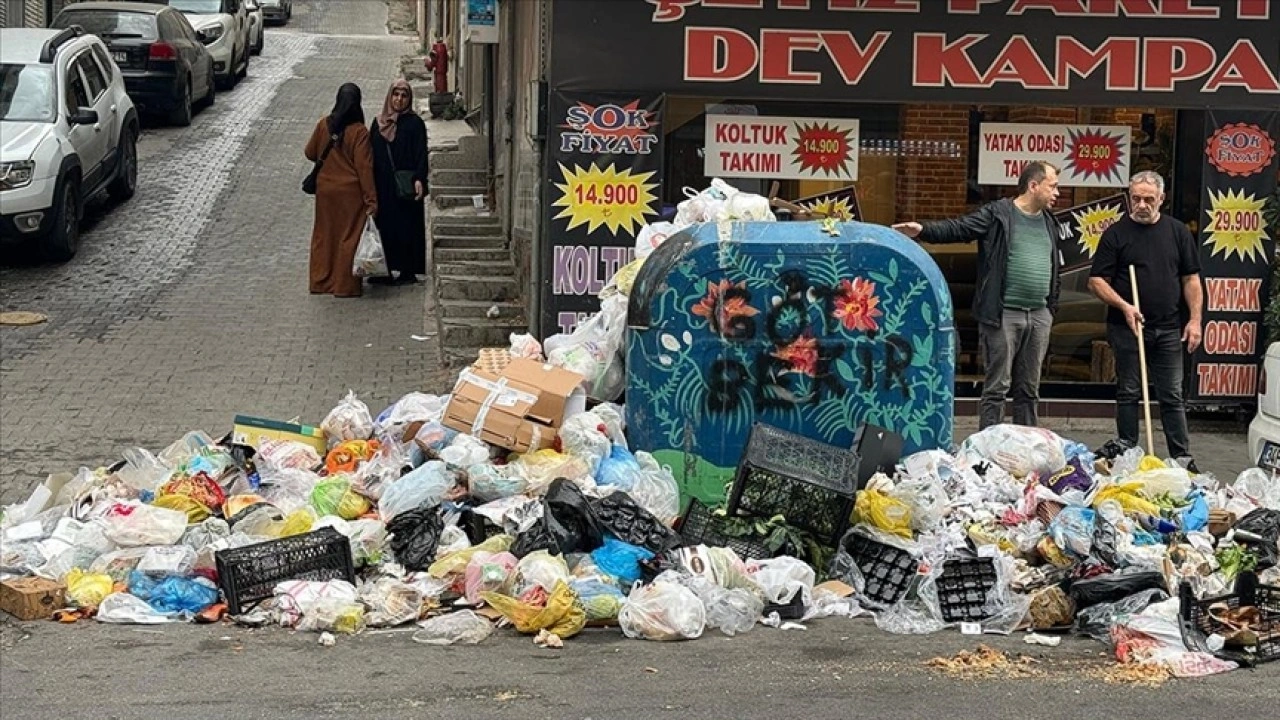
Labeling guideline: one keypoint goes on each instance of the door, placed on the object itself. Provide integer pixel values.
(235, 8)
(86, 88)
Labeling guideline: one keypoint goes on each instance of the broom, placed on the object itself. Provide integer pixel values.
(1142, 363)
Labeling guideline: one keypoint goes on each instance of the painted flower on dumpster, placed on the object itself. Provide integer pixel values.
(856, 303)
(726, 307)
(801, 354)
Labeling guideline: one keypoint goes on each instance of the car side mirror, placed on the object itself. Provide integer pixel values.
(84, 116)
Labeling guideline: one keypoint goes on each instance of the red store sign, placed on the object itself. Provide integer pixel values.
(1173, 53)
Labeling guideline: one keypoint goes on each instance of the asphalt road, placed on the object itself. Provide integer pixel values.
(188, 305)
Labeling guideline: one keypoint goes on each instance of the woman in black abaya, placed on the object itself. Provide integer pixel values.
(400, 173)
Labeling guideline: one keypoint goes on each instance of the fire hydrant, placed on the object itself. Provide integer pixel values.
(438, 63)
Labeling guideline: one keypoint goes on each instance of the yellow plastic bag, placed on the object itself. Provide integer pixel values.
(334, 496)
(887, 513)
(1127, 495)
(195, 510)
(562, 614)
(1150, 462)
(87, 589)
(298, 522)
(456, 563)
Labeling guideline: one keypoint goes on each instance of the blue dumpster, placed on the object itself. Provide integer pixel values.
(810, 327)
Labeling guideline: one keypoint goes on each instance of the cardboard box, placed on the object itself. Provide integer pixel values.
(252, 431)
(32, 598)
(520, 409)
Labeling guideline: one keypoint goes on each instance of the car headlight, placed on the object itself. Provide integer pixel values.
(14, 175)
(211, 33)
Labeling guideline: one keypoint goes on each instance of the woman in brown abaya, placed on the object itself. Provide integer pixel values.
(345, 194)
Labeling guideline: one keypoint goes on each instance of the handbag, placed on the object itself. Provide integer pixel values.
(309, 182)
(403, 179)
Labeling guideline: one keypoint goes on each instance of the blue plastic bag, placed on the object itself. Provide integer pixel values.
(619, 559)
(1196, 515)
(173, 594)
(1072, 530)
(620, 470)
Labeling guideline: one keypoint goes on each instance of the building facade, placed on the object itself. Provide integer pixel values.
(901, 110)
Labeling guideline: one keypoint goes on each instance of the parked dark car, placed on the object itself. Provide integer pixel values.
(166, 68)
(276, 12)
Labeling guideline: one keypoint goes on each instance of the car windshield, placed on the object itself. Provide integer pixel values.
(197, 7)
(110, 24)
(27, 93)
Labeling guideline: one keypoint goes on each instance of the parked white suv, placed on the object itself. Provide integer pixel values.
(1264, 431)
(223, 27)
(67, 131)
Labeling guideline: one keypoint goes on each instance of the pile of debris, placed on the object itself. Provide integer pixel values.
(510, 501)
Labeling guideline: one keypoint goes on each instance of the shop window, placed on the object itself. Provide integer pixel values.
(878, 128)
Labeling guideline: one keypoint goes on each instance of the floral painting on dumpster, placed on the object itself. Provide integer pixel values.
(816, 337)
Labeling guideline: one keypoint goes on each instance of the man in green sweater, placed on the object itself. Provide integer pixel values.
(1018, 287)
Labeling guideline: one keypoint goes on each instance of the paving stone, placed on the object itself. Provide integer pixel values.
(189, 303)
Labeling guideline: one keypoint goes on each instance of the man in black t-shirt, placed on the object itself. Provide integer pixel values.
(1166, 261)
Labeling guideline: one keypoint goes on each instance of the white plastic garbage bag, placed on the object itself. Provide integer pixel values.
(1019, 450)
(370, 260)
(782, 577)
(655, 489)
(594, 350)
(125, 609)
(663, 610)
(350, 420)
(133, 524)
(425, 485)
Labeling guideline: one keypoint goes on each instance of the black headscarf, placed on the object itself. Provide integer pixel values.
(346, 109)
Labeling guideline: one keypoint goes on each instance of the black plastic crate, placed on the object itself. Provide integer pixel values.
(700, 526)
(886, 570)
(810, 483)
(963, 588)
(790, 610)
(249, 574)
(1197, 623)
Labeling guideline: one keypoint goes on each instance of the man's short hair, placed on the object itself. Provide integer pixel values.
(1149, 177)
(1035, 171)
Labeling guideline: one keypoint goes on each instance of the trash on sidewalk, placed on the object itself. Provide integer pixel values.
(510, 502)
(31, 598)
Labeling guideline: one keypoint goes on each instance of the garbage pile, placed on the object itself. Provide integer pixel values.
(512, 502)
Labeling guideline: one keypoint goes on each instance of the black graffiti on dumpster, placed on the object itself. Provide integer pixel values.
(808, 347)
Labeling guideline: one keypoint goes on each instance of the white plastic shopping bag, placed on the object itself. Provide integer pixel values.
(370, 260)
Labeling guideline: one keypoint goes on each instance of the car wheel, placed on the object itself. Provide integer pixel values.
(244, 69)
(125, 183)
(182, 115)
(262, 40)
(61, 243)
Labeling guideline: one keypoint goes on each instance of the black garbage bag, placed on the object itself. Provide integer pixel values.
(1096, 621)
(1265, 524)
(568, 524)
(1105, 540)
(414, 535)
(626, 520)
(1113, 449)
(1113, 587)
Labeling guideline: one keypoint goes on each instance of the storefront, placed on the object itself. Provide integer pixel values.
(927, 110)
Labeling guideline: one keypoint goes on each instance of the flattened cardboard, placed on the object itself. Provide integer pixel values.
(525, 414)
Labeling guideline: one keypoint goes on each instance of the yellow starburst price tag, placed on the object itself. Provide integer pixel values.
(610, 197)
(1235, 225)
(1091, 222)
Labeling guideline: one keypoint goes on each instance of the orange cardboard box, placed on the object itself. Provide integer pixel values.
(519, 408)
